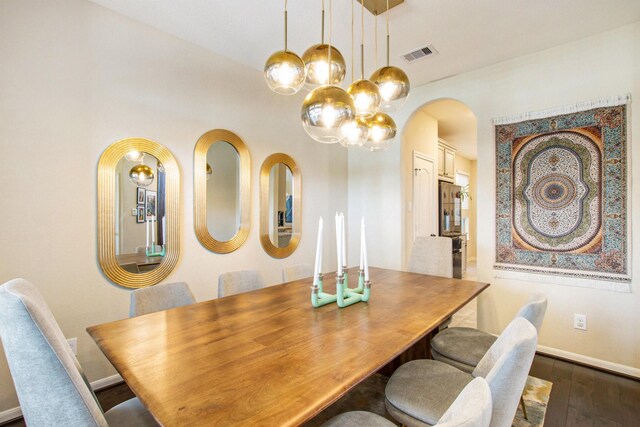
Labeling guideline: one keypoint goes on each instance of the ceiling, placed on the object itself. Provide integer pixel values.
(457, 125)
(468, 34)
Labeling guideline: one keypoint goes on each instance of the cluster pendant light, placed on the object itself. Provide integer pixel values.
(365, 95)
(328, 108)
(134, 156)
(284, 71)
(382, 132)
(392, 81)
(141, 175)
(329, 113)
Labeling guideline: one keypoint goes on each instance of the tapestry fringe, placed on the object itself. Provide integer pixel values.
(524, 274)
(566, 109)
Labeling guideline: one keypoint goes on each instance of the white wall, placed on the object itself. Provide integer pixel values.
(75, 78)
(600, 66)
(472, 245)
(465, 165)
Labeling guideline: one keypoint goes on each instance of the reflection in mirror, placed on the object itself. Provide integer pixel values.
(138, 212)
(223, 191)
(280, 205)
(140, 222)
(221, 199)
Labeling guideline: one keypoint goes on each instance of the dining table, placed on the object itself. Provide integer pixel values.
(141, 259)
(267, 357)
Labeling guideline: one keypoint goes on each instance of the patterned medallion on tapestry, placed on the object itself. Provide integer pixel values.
(562, 194)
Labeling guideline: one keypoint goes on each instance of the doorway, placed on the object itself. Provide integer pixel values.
(424, 196)
(445, 132)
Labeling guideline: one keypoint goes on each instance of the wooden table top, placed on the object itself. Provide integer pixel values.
(268, 357)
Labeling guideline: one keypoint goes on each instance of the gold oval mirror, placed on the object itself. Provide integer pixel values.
(222, 208)
(138, 212)
(280, 205)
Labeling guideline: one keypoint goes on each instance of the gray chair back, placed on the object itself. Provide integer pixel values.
(238, 282)
(505, 366)
(296, 272)
(534, 310)
(432, 255)
(160, 297)
(472, 407)
(51, 386)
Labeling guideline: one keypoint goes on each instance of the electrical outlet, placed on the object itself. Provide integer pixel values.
(580, 321)
(73, 343)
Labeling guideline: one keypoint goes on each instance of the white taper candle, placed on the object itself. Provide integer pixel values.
(318, 265)
(344, 243)
(366, 261)
(338, 245)
(362, 244)
(164, 230)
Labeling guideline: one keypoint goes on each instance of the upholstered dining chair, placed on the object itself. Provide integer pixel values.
(237, 282)
(51, 386)
(160, 297)
(464, 347)
(419, 392)
(296, 272)
(472, 408)
(432, 255)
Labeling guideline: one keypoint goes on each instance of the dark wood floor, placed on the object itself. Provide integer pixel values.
(580, 396)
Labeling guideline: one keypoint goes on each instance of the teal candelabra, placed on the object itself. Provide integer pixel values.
(344, 296)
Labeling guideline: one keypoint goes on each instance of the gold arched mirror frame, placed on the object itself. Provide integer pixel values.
(265, 173)
(106, 213)
(200, 191)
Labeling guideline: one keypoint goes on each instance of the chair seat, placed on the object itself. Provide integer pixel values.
(130, 413)
(464, 347)
(358, 419)
(420, 392)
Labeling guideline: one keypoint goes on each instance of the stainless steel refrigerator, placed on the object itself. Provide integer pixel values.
(450, 216)
(450, 209)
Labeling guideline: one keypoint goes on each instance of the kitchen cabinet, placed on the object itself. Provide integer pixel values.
(446, 161)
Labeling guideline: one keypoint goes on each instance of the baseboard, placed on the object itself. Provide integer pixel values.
(15, 413)
(627, 371)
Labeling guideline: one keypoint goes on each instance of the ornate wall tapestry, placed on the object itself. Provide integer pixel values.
(562, 195)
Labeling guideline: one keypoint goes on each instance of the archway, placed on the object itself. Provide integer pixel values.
(444, 132)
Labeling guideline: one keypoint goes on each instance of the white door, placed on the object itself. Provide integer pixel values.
(424, 200)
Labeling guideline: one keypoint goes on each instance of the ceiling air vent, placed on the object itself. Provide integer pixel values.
(419, 53)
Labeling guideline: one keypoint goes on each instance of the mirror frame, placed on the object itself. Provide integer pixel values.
(265, 172)
(200, 191)
(106, 227)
